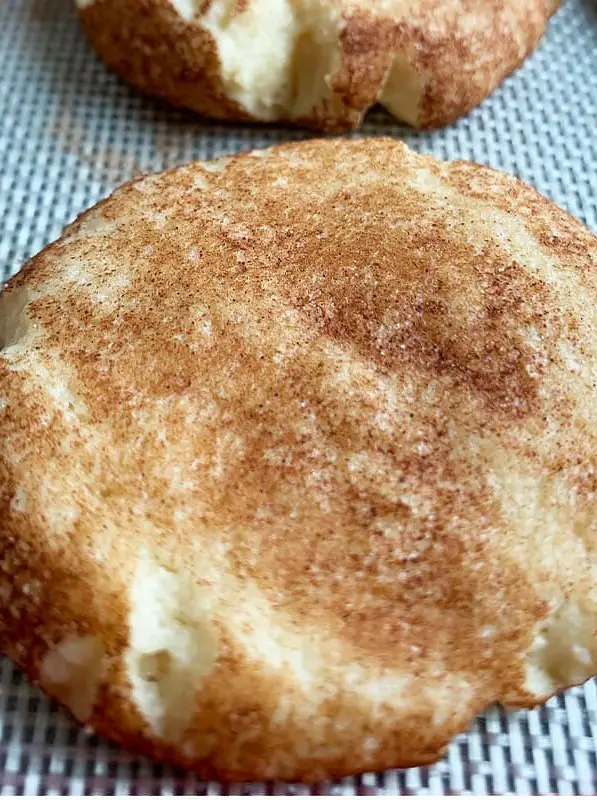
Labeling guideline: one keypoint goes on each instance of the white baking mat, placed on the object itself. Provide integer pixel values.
(69, 133)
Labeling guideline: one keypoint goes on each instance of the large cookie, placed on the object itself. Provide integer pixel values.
(298, 459)
(320, 63)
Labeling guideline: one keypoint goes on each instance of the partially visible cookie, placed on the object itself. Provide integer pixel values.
(317, 63)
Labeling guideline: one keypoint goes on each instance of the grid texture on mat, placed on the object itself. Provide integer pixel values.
(69, 133)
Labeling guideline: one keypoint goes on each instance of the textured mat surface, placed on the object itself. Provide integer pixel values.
(69, 133)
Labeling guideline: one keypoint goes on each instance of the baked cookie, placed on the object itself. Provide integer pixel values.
(298, 459)
(317, 63)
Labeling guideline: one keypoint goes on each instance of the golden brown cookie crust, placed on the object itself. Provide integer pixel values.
(297, 465)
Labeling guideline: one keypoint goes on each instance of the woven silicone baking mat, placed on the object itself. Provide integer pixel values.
(69, 133)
